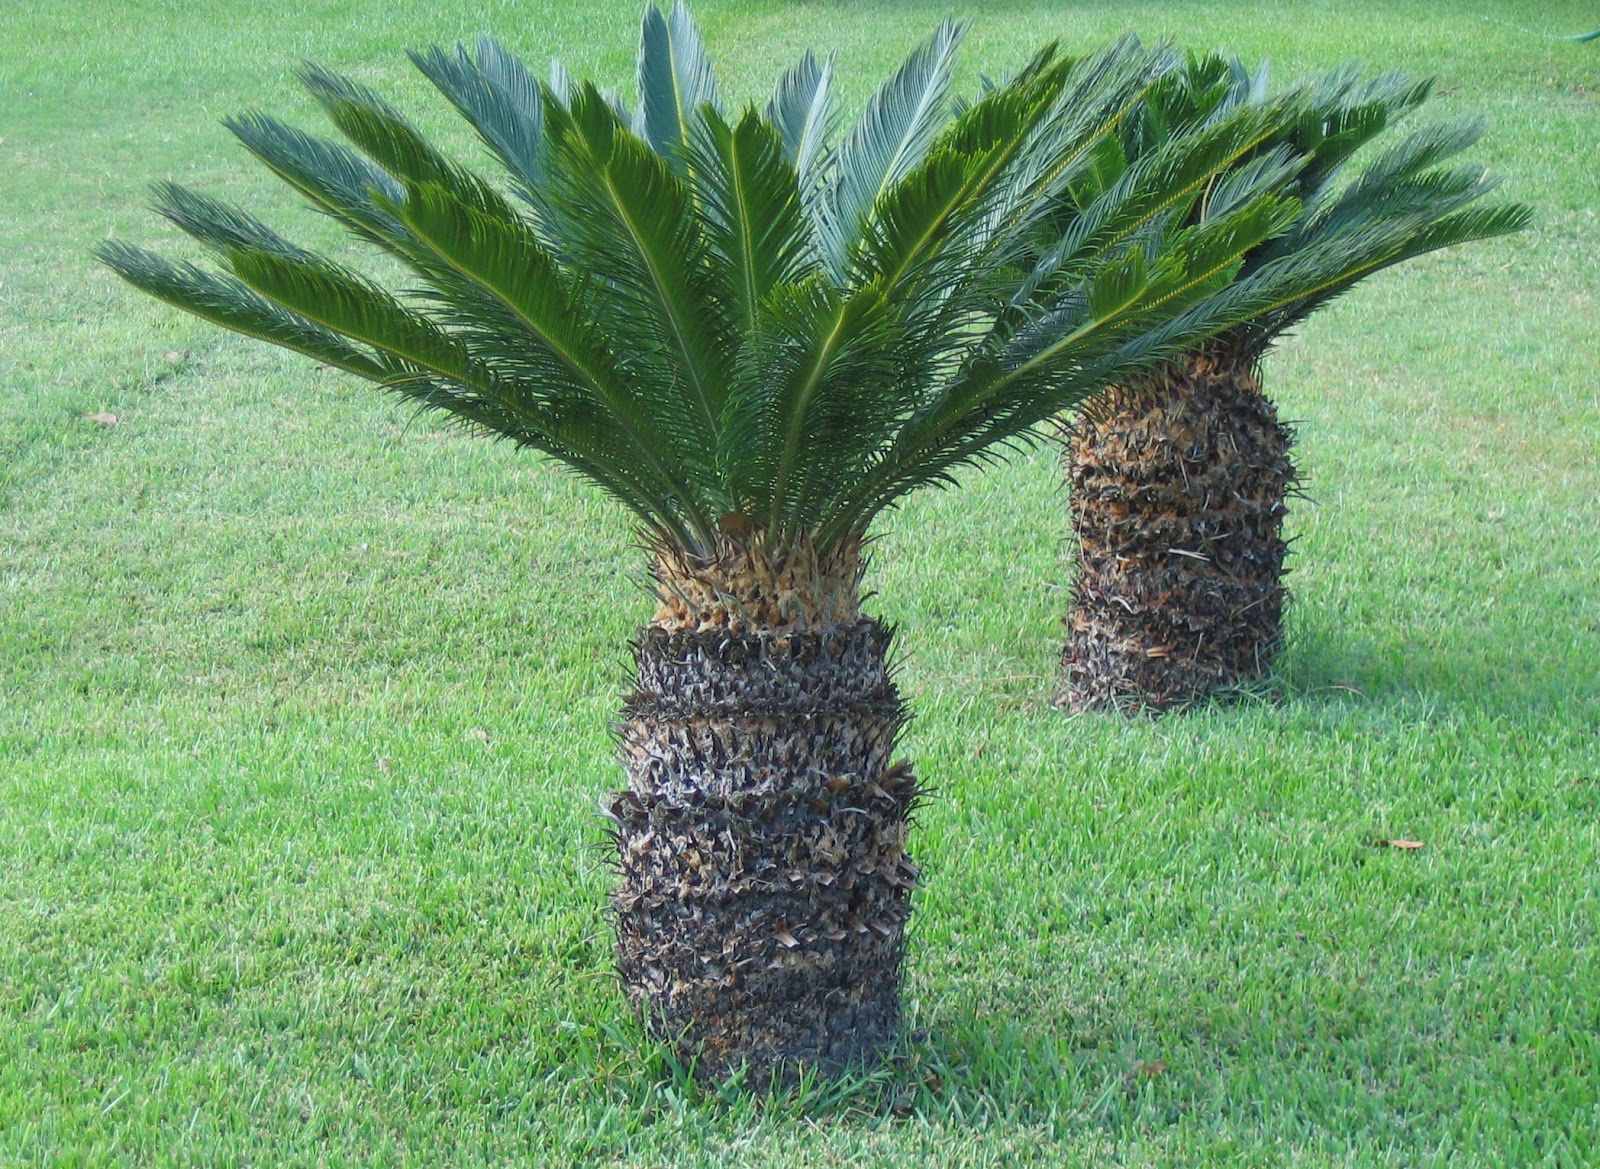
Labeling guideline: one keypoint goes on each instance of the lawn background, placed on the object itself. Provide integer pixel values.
(303, 702)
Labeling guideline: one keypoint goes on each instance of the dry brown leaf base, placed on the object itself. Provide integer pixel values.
(765, 885)
(1177, 496)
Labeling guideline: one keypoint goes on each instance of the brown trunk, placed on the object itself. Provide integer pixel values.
(1177, 494)
(765, 885)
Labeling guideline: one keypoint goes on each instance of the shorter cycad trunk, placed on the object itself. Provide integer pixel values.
(1178, 487)
(765, 886)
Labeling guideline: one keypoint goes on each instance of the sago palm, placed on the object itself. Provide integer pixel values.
(1179, 477)
(755, 335)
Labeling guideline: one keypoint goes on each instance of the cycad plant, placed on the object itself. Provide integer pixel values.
(755, 335)
(1179, 477)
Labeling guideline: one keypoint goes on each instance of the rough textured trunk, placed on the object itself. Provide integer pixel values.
(1177, 494)
(765, 886)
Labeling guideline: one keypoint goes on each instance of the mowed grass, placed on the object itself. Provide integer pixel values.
(304, 702)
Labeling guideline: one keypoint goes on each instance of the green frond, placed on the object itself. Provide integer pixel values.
(822, 390)
(1406, 160)
(621, 210)
(220, 226)
(1326, 139)
(1116, 288)
(1202, 261)
(706, 315)
(946, 207)
(1094, 97)
(1040, 201)
(891, 136)
(1324, 267)
(342, 302)
(500, 98)
(755, 223)
(802, 113)
(335, 179)
(1190, 265)
(391, 141)
(1161, 188)
(347, 304)
(1271, 171)
(515, 308)
(228, 302)
(675, 80)
(1309, 137)
(525, 296)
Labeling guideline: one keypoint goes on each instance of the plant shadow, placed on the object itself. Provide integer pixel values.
(1499, 671)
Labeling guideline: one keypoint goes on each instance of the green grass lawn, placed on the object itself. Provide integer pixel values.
(304, 702)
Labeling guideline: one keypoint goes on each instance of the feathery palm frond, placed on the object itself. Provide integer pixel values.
(894, 131)
(1406, 201)
(674, 81)
(495, 93)
(738, 318)
(801, 110)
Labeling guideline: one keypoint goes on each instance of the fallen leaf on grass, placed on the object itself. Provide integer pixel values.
(105, 420)
(1407, 845)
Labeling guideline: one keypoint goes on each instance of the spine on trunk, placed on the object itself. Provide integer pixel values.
(1178, 492)
(761, 842)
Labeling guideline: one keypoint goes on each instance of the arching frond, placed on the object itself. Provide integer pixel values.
(1405, 201)
(756, 226)
(891, 136)
(801, 111)
(739, 322)
(332, 177)
(500, 98)
(218, 225)
(621, 211)
(675, 80)
(228, 302)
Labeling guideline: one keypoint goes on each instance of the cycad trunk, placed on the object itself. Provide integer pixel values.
(765, 885)
(1178, 488)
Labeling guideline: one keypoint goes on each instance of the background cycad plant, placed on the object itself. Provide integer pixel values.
(1179, 477)
(756, 335)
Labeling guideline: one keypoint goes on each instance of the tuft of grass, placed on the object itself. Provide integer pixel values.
(304, 703)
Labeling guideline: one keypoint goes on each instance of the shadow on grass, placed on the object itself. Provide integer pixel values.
(1506, 672)
(964, 1070)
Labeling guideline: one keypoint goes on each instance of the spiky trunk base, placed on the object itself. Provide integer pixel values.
(1177, 495)
(765, 885)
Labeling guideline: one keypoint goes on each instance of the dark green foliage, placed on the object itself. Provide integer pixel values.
(714, 315)
(1403, 203)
